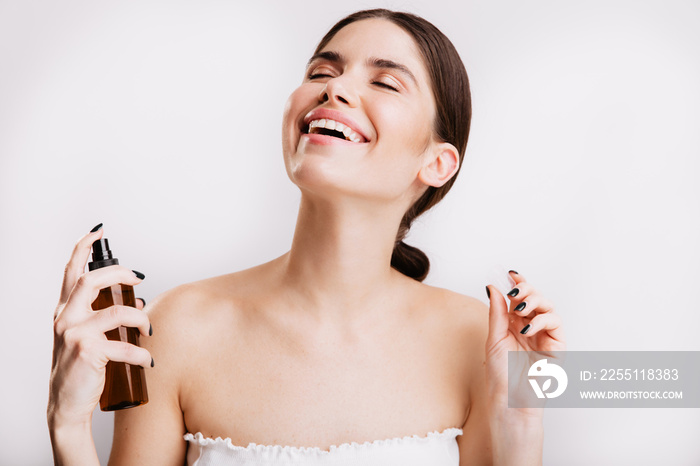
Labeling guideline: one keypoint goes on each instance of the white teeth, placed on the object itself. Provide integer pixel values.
(350, 135)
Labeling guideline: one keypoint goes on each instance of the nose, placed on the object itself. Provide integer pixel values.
(336, 90)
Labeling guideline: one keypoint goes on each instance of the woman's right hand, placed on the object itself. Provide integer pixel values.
(81, 349)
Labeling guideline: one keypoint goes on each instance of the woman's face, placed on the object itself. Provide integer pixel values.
(370, 77)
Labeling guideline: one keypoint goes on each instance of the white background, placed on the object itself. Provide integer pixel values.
(162, 120)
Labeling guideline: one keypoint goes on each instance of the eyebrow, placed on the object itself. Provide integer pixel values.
(373, 62)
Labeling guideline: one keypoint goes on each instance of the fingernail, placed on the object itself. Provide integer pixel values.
(152, 363)
(513, 271)
(96, 227)
(488, 293)
(520, 306)
(525, 329)
(139, 275)
(513, 293)
(143, 300)
(150, 331)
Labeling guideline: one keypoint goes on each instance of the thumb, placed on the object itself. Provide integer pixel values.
(498, 317)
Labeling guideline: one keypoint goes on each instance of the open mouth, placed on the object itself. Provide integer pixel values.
(333, 128)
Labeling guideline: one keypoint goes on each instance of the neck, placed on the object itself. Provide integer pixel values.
(338, 268)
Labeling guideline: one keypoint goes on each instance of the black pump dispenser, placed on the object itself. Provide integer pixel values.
(101, 255)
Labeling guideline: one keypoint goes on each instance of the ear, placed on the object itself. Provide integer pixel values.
(441, 165)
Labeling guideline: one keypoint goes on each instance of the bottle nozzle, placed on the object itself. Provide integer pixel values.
(101, 255)
(100, 250)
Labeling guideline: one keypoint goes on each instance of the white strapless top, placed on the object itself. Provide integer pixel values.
(435, 449)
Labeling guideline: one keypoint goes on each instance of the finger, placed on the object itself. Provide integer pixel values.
(520, 294)
(76, 264)
(120, 351)
(140, 303)
(550, 322)
(517, 278)
(520, 291)
(89, 284)
(115, 316)
(498, 317)
(535, 304)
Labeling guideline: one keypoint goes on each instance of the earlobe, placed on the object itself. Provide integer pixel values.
(442, 165)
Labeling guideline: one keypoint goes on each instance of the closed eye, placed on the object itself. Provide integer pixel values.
(378, 83)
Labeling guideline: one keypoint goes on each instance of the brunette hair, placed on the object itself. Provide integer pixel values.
(450, 86)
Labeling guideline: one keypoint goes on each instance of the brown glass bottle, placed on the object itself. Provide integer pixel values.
(125, 384)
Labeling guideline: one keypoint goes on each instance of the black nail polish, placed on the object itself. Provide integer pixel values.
(525, 329)
(488, 293)
(520, 306)
(139, 275)
(143, 300)
(513, 293)
(96, 227)
(513, 271)
(152, 363)
(150, 330)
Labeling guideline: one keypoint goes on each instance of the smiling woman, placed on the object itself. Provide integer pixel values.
(335, 352)
(442, 79)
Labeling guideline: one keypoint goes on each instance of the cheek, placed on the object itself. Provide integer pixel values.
(418, 130)
(291, 110)
(297, 105)
(408, 127)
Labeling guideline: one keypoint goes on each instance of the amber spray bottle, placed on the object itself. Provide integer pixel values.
(125, 384)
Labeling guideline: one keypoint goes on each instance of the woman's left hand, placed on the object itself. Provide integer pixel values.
(529, 325)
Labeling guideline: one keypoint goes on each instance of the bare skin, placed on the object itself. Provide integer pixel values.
(327, 344)
(281, 378)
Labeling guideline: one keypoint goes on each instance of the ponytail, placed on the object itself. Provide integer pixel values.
(410, 261)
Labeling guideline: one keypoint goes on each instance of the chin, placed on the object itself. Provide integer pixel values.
(319, 176)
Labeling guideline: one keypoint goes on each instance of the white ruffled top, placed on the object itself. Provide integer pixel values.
(434, 449)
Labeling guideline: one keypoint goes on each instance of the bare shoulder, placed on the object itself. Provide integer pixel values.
(189, 304)
(190, 317)
(464, 322)
(458, 326)
(464, 315)
(182, 319)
